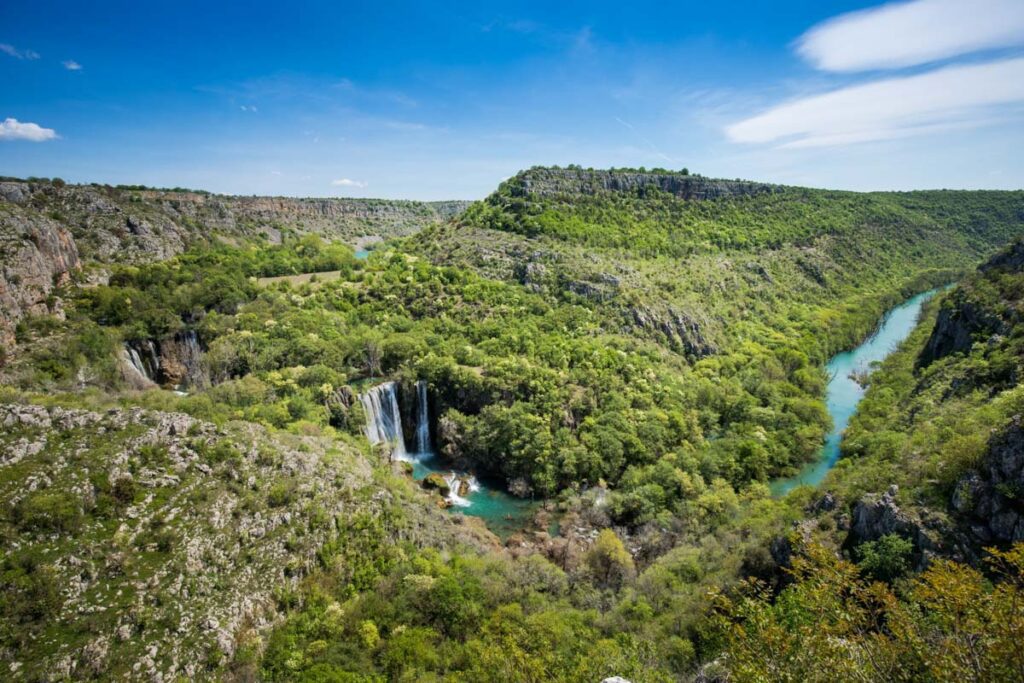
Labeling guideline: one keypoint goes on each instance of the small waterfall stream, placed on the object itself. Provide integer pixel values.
(143, 357)
(422, 418)
(191, 356)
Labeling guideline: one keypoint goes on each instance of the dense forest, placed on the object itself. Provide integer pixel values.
(639, 353)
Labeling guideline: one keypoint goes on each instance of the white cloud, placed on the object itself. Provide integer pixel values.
(950, 97)
(908, 33)
(346, 182)
(12, 129)
(249, 107)
(72, 65)
(12, 51)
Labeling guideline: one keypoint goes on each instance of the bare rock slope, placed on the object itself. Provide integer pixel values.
(148, 545)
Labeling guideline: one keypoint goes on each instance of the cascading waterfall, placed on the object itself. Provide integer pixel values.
(455, 483)
(422, 418)
(136, 360)
(384, 425)
(383, 418)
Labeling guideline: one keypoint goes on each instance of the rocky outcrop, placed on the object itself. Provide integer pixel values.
(199, 498)
(876, 515)
(163, 541)
(602, 288)
(683, 331)
(991, 498)
(964, 319)
(136, 225)
(559, 182)
(1011, 258)
(436, 482)
(958, 324)
(36, 256)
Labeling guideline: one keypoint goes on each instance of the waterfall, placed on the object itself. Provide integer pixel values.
(134, 370)
(136, 360)
(153, 361)
(422, 418)
(184, 364)
(383, 419)
(146, 362)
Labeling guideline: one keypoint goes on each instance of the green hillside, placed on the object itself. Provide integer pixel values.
(639, 353)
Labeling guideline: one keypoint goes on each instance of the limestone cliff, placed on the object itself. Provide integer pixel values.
(36, 255)
(966, 317)
(554, 182)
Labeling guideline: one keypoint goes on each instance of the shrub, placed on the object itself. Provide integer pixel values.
(281, 493)
(886, 559)
(124, 490)
(48, 511)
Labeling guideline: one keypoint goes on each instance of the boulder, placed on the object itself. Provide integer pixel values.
(436, 482)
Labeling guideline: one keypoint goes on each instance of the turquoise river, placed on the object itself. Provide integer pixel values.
(844, 393)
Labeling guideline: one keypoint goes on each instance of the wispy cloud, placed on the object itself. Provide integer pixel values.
(577, 41)
(950, 97)
(12, 51)
(13, 129)
(249, 108)
(348, 182)
(72, 65)
(650, 145)
(908, 33)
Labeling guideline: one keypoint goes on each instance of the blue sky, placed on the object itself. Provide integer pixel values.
(416, 100)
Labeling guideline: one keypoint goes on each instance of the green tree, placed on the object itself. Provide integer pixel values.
(610, 563)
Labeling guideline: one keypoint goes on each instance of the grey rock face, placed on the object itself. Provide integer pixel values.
(826, 503)
(14, 192)
(956, 328)
(991, 498)
(682, 329)
(876, 515)
(36, 256)
(962, 320)
(1009, 259)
